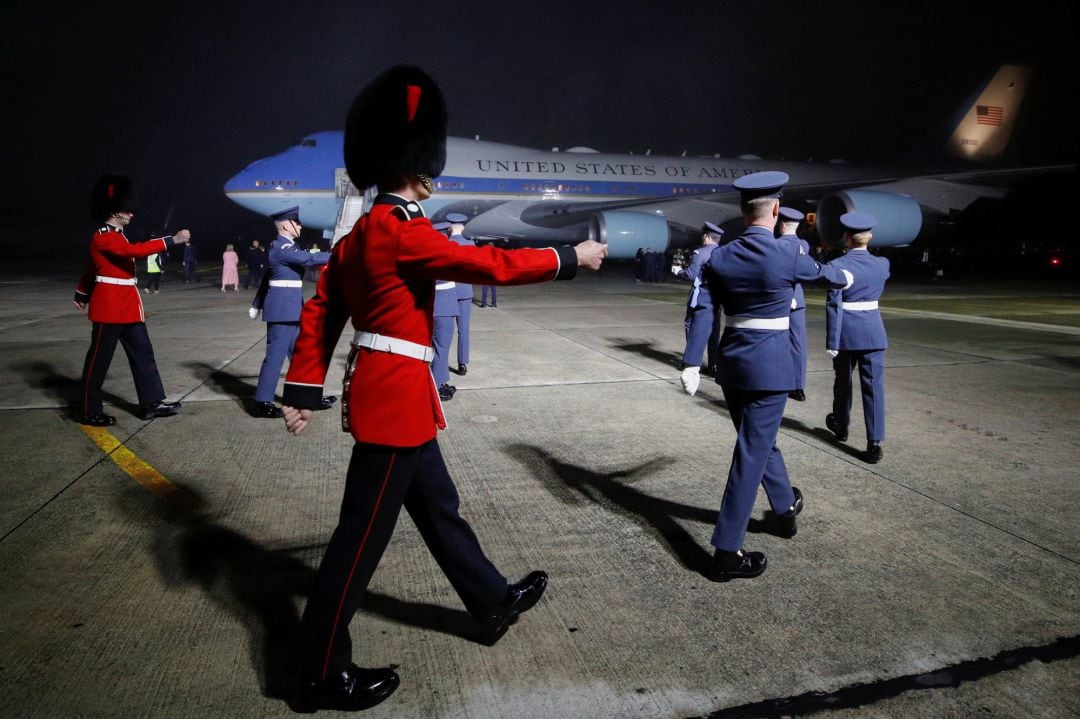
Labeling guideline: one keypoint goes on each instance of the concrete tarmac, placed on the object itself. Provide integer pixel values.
(159, 568)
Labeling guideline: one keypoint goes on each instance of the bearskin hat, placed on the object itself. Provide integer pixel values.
(112, 194)
(396, 128)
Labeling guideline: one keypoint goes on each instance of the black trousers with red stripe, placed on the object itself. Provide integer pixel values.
(379, 482)
(140, 354)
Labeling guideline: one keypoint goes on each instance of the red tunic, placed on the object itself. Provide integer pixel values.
(382, 276)
(112, 256)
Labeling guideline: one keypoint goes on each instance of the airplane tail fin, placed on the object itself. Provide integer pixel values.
(985, 129)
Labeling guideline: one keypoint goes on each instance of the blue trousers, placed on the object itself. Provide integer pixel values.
(702, 333)
(140, 354)
(463, 320)
(280, 338)
(871, 364)
(379, 482)
(440, 363)
(484, 294)
(755, 461)
(798, 345)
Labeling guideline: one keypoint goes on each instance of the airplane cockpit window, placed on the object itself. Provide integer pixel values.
(308, 142)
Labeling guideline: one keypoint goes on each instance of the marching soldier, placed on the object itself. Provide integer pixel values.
(701, 325)
(753, 279)
(464, 295)
(280, 297)
(116, 309)
(382, 277)
(855, 335)
(788, 225)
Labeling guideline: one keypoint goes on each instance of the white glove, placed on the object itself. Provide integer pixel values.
(675, 269)
(832, 353)
(253, 313)
(691, 379)
(850, 278)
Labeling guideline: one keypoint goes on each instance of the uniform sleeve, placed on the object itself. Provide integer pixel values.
(260, 294)
(86, 285)
(809, 270)
(112, 243)
(293, 255)
(424, 252)
(834, 318)
(321, 322)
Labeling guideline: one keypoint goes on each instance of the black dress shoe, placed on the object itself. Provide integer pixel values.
(797, 394)
(98, 420)
(834, 426)
(462, 369)
(874, 452)
(268, 410)
(326, 402)
(520, 597)
(161, 409)
(446, 391)
(786, 521)
(354, 689)
(736, 565)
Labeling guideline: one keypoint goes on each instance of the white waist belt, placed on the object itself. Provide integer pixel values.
(758, 323)
(445, 286)
(286, 283)
(382, 343)
(115, 280)
(860, 306)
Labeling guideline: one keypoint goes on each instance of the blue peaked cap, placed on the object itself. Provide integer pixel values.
(761, 184)
(293, 213)
(457, 218)
(790, 214)
(857, 221)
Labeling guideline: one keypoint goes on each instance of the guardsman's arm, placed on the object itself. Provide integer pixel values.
(84, 288)
(321, 322)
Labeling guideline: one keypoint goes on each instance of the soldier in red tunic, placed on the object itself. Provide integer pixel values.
(381, 277)
(116, 309)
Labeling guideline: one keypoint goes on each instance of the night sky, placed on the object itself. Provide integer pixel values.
(182, 95)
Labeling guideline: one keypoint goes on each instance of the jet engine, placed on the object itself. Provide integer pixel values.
(625, 232)
(899, 217)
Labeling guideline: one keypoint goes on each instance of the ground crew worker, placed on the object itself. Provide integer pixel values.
(855, 335)
(753, 279)
(382, 276)
(788, 225)
(280, 297)
(116, 309)
(700, 325)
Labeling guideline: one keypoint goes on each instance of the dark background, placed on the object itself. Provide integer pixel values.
(182, 95)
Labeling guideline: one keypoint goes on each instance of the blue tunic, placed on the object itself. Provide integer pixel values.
(700, 325)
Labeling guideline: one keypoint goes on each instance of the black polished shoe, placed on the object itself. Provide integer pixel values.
(736, 565)
(353, 690)
(161, 409)
(268, 410)
(520, 597)
(834, 427)
(874, 452)
(797, 394)
(786, 521)
(446, 391)
(326, 402)
(462, 369)
(98, 420)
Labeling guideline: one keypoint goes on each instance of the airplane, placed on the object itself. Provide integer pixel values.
(533, 198)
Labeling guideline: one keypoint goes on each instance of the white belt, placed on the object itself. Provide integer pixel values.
(286, 283)
(860, 306)
(116, 280)
(382, 343)
(758, 323)
(445, 286)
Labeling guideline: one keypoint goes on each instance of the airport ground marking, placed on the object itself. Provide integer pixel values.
(125, 459)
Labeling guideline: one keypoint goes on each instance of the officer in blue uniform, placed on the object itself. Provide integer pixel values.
(281, 297)
(855, 335)
(753, 279)
(702, 329)
(789, 223)
(464, 295)
(445, 315)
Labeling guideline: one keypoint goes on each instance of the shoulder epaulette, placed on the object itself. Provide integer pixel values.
(406, 209)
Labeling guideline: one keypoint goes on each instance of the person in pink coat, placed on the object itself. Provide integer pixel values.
(230, 275)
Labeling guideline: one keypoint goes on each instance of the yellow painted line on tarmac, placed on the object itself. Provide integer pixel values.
(135, 468)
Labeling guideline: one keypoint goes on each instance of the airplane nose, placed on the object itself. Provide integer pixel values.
(237, 182)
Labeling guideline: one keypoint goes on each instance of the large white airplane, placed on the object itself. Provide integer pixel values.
(529, 197)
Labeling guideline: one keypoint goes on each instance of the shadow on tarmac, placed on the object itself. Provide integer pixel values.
(67, 390)
(647, 349)
(571, 484)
